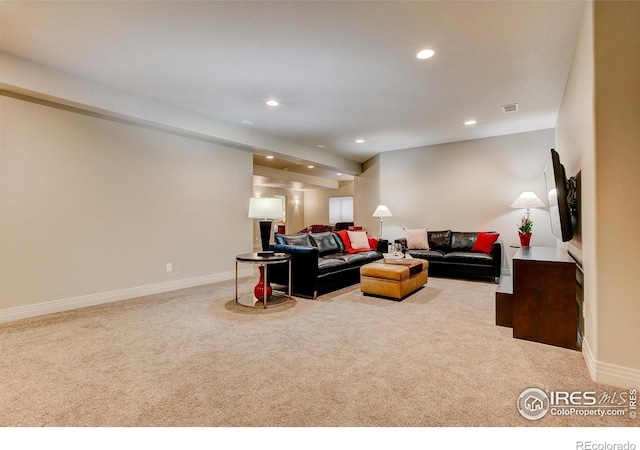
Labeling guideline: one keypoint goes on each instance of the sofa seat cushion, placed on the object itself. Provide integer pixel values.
(429, 255)
(358, 258)
(469, 258)
(330, 264)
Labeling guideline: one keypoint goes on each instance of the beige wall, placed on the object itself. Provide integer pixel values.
(575, 139)
(598, 131)
(295, 213)
(617, 184)
(89, 206)
(316, 203)
(367, 196)
(463, 186)
(19, 75)
(575, 142)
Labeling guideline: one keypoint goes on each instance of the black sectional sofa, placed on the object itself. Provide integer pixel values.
(450, 255)
(320, 263)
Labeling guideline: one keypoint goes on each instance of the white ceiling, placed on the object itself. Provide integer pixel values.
(342, 70)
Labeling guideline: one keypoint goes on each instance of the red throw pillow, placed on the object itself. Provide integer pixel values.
(359, 241)
(484, 242)
(344, 235)
(345, 240)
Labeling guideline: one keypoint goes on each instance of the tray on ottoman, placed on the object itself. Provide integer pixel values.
(395, 281)
(398, 259)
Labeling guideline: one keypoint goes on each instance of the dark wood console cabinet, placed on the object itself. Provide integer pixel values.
(542, 305)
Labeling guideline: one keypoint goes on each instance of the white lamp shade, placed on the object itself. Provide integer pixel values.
(382, 211)
(528, 200)
(265, 208)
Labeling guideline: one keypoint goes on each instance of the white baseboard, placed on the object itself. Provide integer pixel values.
(605, 373)
(53, 306)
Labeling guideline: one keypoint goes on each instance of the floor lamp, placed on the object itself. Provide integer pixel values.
(382, 211)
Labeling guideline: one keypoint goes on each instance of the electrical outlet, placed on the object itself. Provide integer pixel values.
(169, 267)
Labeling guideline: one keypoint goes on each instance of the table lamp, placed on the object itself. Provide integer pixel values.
(528, 200)
(265, 209)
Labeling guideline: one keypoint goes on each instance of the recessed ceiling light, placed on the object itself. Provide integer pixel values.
(320, 146)
(425, 54)
(272, 102)
(310, 167)
(269, 157)
(339, 174)
(248, 122)
(359, 141)
(471, 122)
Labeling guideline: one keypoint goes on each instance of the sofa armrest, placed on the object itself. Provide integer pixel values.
(383, 246)
(496, 252)
(304, 269)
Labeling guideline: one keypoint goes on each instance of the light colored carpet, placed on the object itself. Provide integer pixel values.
(194, 358)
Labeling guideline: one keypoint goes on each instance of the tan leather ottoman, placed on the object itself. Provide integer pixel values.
(395, 281)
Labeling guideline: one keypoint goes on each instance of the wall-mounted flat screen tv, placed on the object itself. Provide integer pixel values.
(559, 212)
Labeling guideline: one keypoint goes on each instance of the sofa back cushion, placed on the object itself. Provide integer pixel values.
(342, 248)
(325, 242)
(462, 241)
(440, 240)
(294, 239)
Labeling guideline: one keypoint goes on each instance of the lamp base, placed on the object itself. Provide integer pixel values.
(265, 231)
(262, 290)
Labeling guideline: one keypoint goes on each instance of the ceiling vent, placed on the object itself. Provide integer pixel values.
(513, 107)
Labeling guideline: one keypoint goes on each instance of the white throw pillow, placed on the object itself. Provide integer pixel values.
(358, 239)
(417, 239)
